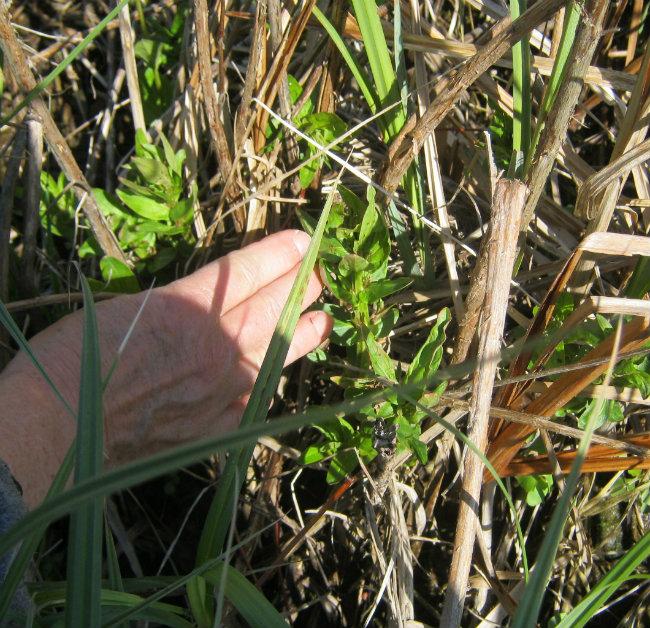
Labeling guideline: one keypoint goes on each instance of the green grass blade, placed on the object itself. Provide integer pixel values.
(607, 586)
(531, 601)
(61, 67)
(15, 573)
(219, 516)
(249, 602)
(571, 20)
(8, 322)
(521, 62)
(84, 572)
(357, 71)
(177, 583)
(381, 64)
(400, 58)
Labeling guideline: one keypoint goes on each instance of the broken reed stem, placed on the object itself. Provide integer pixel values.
(509, 199)
(555, 128)
(131, 69)
(20, 69)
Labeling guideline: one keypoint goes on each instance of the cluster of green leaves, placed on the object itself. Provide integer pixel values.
(319, 125)
(354, 257)
(151, 211)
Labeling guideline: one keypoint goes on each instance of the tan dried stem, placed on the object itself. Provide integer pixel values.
(508, 203)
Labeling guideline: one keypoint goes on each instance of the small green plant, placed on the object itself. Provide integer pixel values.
(321, 126)
(151, 211)
(354, 259)
(158, 52)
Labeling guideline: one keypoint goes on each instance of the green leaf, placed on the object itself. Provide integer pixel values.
(143, 206)
(373, 242)
(385, 287)
(419, 449)
(351, 264)
(152, 170)
(427, 360)
(379, 359)
(343, 464)
(84, 571)
(118, 276)
(386, 323)
(537, 487)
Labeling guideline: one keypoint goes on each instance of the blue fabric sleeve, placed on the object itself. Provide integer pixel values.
(12, 509)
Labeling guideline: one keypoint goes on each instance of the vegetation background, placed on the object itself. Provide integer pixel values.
(474, 175)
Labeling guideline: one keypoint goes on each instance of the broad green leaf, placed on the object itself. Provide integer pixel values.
(427, 360)
(143, 206)
(379, 359)
(352, 264)
(118, 275)
(537, 487)
(385, 287)
(343, 464)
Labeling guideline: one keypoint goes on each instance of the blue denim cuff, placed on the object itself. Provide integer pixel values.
(12, 509)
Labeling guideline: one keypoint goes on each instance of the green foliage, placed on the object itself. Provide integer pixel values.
(321, 126)
(537, 487)
(354, 257)
(158, 53)
(151, 212)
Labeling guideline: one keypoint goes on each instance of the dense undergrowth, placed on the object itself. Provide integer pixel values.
(348, 498)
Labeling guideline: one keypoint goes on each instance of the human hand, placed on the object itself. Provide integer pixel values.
(185, 374)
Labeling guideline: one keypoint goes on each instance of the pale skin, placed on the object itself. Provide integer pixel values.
(185, 374)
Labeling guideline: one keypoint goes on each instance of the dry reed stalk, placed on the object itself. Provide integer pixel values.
(128, 56)
(31, 219)
(555, 126)
(509, 199)
(212, 105)
(412, 137)
(20, 69)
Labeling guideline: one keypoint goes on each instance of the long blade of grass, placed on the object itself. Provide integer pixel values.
(249, 602)
(381, 65)
(15, 573)
(70, 58)
(177, 583)
(219, 516)
(84, 572)
(521, 123)
(606, 586)
(531, 601)
(556, 79)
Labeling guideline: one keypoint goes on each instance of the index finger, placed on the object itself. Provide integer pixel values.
(231, 280)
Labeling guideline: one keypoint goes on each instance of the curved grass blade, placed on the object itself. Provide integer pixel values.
(84, 572)
(249, 602)
(556, 79)
(531, 601)
(521, 122)
(221, 509)
(16, 572)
